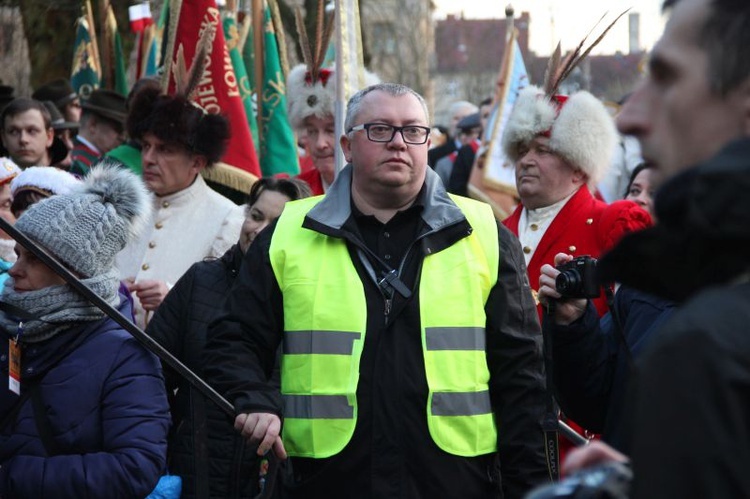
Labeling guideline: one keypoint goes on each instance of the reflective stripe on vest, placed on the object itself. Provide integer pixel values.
(451, 303)
(325, 324)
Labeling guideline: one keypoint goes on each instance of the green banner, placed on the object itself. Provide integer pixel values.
(232, 36)
(85, 75)
(278, 148)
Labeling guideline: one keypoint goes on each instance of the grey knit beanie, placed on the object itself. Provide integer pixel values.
(86, 228)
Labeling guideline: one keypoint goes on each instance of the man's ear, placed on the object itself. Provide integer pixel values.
(50, 137)
(199, 162)
(579, 176)
(346, 146)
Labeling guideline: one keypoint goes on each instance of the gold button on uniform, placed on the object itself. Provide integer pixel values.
(145, 266)
(572, 249)
(534, 227)
(159, 225)
(152, 244)
(589, 221)
(526, 250)
(165, 204)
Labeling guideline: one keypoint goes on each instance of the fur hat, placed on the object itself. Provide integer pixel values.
(86, 228)
(580, 129)
(45, 180)
(175, 119)
(307, 98)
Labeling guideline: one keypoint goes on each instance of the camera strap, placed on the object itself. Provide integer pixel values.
(550, 421)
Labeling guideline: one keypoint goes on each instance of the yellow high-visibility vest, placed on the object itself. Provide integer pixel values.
(325, 320)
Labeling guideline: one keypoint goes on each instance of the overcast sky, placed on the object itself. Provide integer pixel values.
(567, 20)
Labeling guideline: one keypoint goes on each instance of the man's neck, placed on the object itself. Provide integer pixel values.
(381, 207)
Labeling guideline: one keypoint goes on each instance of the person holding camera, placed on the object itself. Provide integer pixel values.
(687, 418)
(561, 147)
(592, 357)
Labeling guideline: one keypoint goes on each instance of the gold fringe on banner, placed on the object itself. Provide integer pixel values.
(230, 177)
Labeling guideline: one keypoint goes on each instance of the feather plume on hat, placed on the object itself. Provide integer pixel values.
(311, 89)
(579, 127)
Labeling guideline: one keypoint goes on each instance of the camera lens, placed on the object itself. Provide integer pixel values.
(567, 281)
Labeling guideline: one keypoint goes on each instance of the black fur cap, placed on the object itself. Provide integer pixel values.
(176, 120)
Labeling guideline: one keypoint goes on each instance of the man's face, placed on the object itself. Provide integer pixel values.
(466, 137)
(673, 113)
(168, 168)
(321, 143)
(73, 110)
(104, 134)
(542, 177)
(458, 116)
(394, 167)
(27, 139)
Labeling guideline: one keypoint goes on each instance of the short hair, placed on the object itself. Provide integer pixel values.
(354, 105)
(23, 104)
(293, 188)
(175, 120)
(725, 36)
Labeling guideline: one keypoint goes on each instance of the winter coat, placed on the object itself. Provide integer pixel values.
(204, 449)
(688, 418)
(107, 410)
(592, 365)
(391, 453)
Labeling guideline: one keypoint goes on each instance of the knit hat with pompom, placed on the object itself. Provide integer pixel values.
(86, 228)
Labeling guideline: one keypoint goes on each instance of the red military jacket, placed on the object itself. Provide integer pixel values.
(314, 180)
(584, 226)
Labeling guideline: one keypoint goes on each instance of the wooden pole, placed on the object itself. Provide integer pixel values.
(256, 16)
(92, 30)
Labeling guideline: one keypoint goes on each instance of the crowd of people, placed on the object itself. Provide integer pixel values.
(378, 333)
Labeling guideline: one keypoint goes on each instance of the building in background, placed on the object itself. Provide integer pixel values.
(468, 53)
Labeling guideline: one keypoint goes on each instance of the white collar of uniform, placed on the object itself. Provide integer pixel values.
(183, 197)
(541, 215)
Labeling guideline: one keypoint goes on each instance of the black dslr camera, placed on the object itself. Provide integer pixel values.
(606, 481)
(577, 278)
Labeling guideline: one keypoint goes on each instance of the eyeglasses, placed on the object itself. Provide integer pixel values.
(380, 132)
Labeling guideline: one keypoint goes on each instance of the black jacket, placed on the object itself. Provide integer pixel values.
(204, 448)
(592, 362)
(690, 412)
(461, 171)
(434, 154)
(391, 454)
